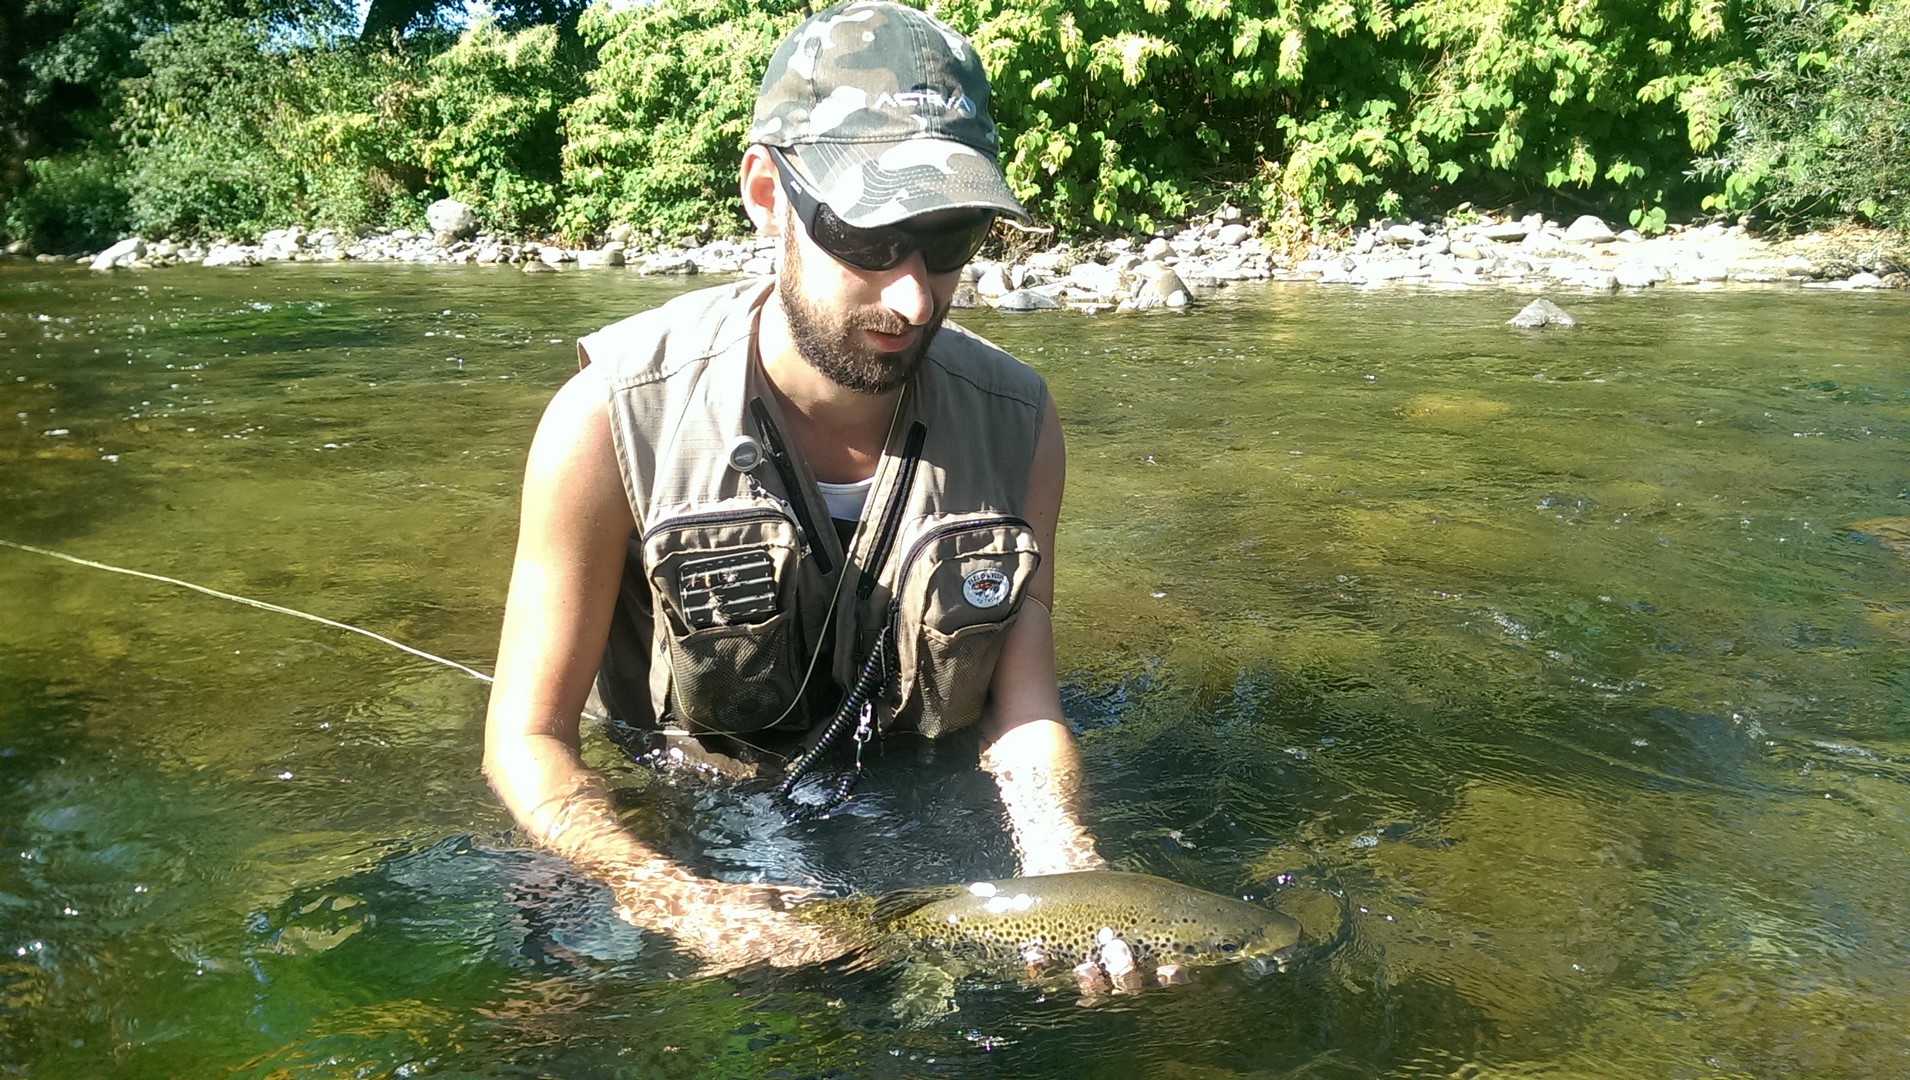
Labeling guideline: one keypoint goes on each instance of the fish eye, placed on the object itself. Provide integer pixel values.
(1228, 946)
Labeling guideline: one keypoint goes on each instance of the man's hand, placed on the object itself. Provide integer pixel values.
(730, 926)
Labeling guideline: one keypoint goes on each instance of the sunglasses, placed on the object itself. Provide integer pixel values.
(883, 247)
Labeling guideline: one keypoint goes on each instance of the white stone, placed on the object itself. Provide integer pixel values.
(1053, 261)
(1539, 313)
(668, 262)
(993, 282)
(1096, 278)
(120, 254)
(1025, 300)
(1637, 275)
(451, 220)
(1389, 270)
(1157, 290)
(228, 255)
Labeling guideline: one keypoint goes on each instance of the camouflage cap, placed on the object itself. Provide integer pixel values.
(885, 110)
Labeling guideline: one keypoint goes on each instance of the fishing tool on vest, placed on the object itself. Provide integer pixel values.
(859, 706)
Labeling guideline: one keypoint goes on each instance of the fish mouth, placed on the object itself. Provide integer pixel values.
(1273, 963)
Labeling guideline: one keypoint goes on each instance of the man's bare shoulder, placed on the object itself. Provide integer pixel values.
(573, 451)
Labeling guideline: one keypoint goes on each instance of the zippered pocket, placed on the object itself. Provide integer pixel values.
(959, 589)
(725, 579)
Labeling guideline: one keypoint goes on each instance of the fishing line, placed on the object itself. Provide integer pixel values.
(249, 602)
(282, 610)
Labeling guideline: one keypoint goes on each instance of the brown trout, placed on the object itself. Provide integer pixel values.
(1064, 916)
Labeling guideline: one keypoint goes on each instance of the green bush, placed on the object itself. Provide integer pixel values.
(496, 99)
(71, 202)
(1823, 118)
(656, 138)
(352, 119)
(227, 135)
(1118, 113)
(197, 129)
(1115, 114)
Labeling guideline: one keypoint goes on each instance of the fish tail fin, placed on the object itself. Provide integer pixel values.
(898, 904)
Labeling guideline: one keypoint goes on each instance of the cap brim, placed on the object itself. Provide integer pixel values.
(870, 184)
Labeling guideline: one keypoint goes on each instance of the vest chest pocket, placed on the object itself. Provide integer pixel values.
(959, 590)
(725, 582)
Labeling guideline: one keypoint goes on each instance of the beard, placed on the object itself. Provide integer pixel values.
(830, 340)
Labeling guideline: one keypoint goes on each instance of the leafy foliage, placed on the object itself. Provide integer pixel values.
(656, 138)
(241, 115)
(1341, 108)
(1823, 119)
(226, 136)
(75, 201)
(197, 129)
(496, 98)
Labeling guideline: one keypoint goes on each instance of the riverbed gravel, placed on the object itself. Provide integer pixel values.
(1174, 270)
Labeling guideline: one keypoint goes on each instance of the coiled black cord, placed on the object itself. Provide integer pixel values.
(855, 708)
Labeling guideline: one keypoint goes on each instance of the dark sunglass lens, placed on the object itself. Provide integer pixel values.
(948, 251)
(867, 249)
(885, 246)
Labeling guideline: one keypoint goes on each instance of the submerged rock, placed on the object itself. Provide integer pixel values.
(1892, 533)
(1540, 313)
(1025, 300)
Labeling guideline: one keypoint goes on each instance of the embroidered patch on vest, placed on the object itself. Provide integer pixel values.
(985, 588)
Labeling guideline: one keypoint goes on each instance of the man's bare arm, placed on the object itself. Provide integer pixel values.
(572, 537)
(1030, 752)
(573, 528)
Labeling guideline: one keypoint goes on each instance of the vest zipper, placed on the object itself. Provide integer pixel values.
(715, 517)
(798, 498)
(946, 528)
(892, 513)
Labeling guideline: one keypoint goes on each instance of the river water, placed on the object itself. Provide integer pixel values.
(1559, 683)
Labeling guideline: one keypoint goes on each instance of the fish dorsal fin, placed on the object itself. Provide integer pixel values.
(898, 904)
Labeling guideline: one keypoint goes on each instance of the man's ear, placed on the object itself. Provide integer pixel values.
(760, 191)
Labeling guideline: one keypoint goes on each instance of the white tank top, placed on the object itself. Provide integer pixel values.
(846, 501)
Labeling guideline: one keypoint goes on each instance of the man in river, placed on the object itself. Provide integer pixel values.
(782, 509)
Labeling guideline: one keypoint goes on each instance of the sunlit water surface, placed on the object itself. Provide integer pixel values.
(1558, 682)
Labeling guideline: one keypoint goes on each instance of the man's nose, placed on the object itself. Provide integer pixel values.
(907, 291)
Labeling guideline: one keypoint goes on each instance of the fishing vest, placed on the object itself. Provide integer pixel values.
(736, 582)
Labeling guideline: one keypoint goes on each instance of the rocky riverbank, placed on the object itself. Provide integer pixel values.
(1168, 271)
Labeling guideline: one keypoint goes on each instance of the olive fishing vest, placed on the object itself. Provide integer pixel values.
(735, 582)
